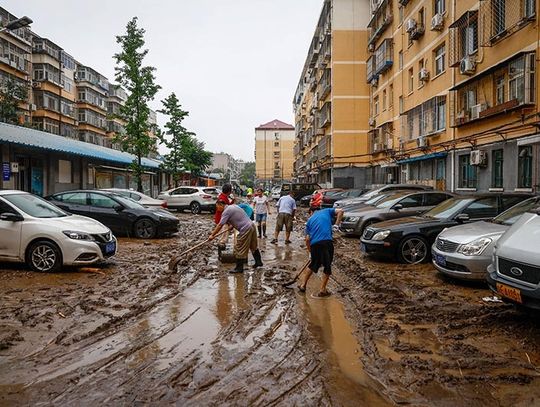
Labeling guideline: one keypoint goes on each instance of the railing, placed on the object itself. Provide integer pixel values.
(325, 84)
(325, 116)
(381, 19)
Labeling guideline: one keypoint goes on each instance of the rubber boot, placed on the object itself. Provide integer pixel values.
(239, 266)
(259, 230)
(264, 230)
(258, 259)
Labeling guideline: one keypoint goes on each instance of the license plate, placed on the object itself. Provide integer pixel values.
(509, 292)
(363, 247)
(110, 247)
(440, 260)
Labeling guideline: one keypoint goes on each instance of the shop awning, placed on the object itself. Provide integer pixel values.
(24, 136)
(422, 158)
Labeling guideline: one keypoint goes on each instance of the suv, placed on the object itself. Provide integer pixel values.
(196, 199)
(45, 237)
(300, 190)
(514, 272)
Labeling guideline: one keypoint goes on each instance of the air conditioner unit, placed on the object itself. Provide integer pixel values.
(421, 142)
(423, 74)
(377, 147)
(437, 22)
(410, 25)
(467, 66)
(36, 84)
(371, 47)
(32, 107)
(475, 111)
(478, 157)
(372, 122)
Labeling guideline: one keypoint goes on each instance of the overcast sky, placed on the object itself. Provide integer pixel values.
(234, 64)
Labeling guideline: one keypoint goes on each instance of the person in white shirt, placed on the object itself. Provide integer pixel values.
(262, 210)
(286, 209)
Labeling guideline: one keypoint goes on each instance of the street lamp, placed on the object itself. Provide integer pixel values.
(16, 24)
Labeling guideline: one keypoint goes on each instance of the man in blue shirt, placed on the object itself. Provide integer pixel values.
(320, 245)
(286, 209)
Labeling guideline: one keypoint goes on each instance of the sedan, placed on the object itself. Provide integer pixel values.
(196, 199)
(330, 200)
(376, 191)
(393, 206)
(465, 251)
(139, 197)
(409, 239)
(122, 215)
(45, 237)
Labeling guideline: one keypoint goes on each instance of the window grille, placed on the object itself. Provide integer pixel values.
(499, 18)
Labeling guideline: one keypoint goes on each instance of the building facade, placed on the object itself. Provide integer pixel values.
(453, 94)
(274, 156)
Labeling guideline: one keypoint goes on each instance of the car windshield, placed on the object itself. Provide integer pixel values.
(448, 208)
(35, 206)
(128, 202)
(389, 200)
(371, 194)
(510, 216)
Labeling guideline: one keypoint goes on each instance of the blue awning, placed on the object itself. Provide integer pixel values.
(47, 141)
(430, 156)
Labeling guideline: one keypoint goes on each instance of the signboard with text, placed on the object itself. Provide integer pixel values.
(6, 171)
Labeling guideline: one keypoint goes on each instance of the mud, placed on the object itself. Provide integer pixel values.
(131, 332)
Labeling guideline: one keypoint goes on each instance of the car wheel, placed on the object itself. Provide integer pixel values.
(44, 256)
(413, 250)
(195, 208)
(145, 229)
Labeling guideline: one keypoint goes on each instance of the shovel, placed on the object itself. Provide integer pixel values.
(306, 264)
(176, 259)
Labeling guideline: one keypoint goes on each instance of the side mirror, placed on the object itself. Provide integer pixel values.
(118, 208)
(463, 217)
(11, 217)
(397, 207)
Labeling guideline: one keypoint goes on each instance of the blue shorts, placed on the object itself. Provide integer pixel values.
(260, 217)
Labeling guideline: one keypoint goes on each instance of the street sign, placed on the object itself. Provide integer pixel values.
(14, 167)
(6, 171)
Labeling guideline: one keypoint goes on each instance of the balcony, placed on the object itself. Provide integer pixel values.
(384, 57)
(382, 138)
(324, 147)
(314, 49)
(381, 19)
(370, 69)
(325, 84)
(502, 18)
(505, 87)
(325, 115)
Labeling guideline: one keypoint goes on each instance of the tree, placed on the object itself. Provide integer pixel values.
(138, 81)
(247, 175)
(11, 95)
(186, 153)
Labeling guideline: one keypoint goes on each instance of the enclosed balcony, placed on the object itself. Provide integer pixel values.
(384, 57)
(381, 19)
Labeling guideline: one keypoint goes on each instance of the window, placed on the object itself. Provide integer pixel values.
(76, 198)
(391, 96)
(467, 172)
(440, 114)
(276, 165)
(375, 105)
(384, 100)
(276, 136)
(469, 38)
(509, 201)
(483, 208)
(425, 119)
(5, 208)
(412, 201)
(525, 163)
(64, 172)
(434, 199)
(516, 80)
(440, 56)
(276, 154)
(420, 67)
(400, 59)
(102, 201)
(276, 143)
(500, 82)
(439, 7)
(400, 14)
(498, 16)
(411, 80)
(422, 17)
(529, 8)
(497, 169)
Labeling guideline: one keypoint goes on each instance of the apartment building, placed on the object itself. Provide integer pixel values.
(274, 158)
(331, 103)
(15, 60)
(116, 99)
(454, 94)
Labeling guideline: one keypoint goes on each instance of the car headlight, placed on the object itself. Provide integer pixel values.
(383, 234)
(72, 234)
(352, 219)
(474, 248)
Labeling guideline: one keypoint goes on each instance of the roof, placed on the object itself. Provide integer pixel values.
(51, 142)
(275, 125)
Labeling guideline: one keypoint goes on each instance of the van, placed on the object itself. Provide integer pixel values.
(300, 190)
(514, 272)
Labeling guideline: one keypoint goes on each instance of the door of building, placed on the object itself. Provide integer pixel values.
(36, 171)
(440, 175)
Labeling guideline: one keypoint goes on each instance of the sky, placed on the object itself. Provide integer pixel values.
(234, 64)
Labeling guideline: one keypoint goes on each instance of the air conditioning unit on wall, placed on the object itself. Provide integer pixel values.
(423, 75)
(437, 22)
(421, 142)
(467, 66)
(478, 157)
(410, 25)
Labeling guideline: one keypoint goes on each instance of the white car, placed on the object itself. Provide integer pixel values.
(141, 198)
(196, 199)
(38, 233)
(276, 193)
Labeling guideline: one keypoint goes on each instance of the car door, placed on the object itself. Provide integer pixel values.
(104, 210)
(177, 198)
(10, 234)
(73, 202)
(482, 209)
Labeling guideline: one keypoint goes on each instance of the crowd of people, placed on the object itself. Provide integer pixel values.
(249, 220)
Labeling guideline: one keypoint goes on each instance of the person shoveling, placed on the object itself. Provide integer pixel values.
(235, 216)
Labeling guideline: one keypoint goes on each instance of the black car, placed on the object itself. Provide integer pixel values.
(409, 239)
(300, 190)
(120, 214)
(330, 199)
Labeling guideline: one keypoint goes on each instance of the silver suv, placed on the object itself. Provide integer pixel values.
(514, 272)
(196, 199)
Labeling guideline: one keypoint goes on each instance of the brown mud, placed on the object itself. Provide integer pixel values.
(132, 332)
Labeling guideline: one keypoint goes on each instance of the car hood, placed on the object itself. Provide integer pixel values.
(76, 223)
(408, 221)
(522, 240)
(473, 231)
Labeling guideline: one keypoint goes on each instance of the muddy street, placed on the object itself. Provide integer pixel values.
(132, 332)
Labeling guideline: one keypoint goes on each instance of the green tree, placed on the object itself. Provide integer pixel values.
(247, 175)
(197, 158)
(12, 95)
(139, 82)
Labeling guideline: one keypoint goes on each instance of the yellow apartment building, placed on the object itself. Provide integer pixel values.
(331, 103)
(452, 91)
(274, 158)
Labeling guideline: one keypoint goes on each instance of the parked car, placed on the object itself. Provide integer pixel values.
(300, 190)
(196, 199)
(344, 194)
(122, 215)
(465, 251)
(275, 193)
(36, 232)
(139, 197)
(306, 201)
(408, 239)
(514, 272)
(393, 206)
(375, 191)
(370, 202)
